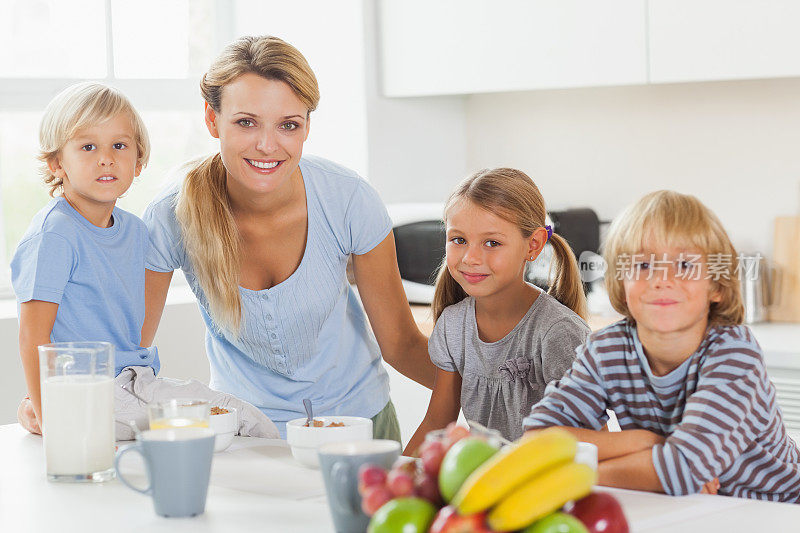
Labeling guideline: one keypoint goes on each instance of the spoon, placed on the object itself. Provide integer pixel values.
(491, 433)
(129, 391)
(309, 412)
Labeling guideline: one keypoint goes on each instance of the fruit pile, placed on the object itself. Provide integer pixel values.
(521, 487)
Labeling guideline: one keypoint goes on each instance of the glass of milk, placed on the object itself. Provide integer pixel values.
(77, 381)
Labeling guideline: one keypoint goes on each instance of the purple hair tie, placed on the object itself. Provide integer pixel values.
(549, 232)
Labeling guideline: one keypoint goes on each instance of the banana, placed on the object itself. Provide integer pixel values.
(541, 496)
(512, 466)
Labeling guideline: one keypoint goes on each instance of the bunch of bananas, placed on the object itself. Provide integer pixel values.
(526, 481)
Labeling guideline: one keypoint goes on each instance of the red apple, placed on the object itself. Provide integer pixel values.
(447, 520)
(600, 512)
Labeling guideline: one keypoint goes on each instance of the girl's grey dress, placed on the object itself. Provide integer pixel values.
(502, 380)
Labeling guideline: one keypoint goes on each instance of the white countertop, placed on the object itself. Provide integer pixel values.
(257, 486)
(780, 343)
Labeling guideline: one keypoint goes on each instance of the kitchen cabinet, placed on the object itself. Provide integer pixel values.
(700, 40)
(476, 46)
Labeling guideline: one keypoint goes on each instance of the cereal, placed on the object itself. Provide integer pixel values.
(219, 411)
(320, 423)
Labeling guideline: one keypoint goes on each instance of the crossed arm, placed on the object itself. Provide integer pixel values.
(624, 457)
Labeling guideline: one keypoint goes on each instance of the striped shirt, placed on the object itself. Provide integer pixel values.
(717, 411)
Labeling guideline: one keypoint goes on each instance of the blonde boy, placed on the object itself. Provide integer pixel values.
(686, 380)
(78, 272)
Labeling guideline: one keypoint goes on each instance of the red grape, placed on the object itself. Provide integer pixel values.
(432, 456)
(427, 487)
(370, 475)
(373, 499)
(400, 482)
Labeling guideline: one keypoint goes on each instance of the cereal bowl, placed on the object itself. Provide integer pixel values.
(304, 441)
(225, 426)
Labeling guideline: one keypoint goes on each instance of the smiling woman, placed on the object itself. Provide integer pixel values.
(263, 235)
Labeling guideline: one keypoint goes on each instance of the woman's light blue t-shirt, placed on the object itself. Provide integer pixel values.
(307, 337)
(95, 275)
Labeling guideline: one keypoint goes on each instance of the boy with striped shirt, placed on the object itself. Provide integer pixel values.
(685, 379)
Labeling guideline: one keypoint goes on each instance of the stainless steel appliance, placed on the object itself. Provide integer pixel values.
(755, 283)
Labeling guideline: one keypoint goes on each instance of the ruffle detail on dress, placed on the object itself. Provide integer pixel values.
(513, 369)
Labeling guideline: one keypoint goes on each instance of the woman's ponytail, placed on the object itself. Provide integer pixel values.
(211, 239)
(567, 287)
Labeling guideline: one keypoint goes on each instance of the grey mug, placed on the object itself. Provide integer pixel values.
(339, 463)
(178, 467)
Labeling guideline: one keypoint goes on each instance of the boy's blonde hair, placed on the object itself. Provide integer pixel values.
(79, 106)
(208, 227)
(512, 195)
(665, 219)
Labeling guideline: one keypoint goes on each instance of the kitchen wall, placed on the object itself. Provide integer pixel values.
(416, 146)
(732, 144)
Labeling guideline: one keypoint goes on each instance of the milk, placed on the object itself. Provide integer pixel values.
(78, 413)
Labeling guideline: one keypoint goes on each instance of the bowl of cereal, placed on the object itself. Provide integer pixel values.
(304, 439)
(225, 423)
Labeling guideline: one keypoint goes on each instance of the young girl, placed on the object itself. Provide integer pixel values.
(78, 272)
(686, 381)
(498, 341)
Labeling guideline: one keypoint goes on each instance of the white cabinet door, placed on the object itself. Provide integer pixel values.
(434, 47)
(696, 40)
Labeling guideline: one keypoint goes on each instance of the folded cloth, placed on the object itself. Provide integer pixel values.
(144, 384)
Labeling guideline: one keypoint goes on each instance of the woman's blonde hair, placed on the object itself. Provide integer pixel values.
(208, 227)
(512, 195)
(79, 106)
(671, 219)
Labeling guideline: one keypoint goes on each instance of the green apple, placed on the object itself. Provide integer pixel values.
(460, 461)
(403, 515)
(557, 523)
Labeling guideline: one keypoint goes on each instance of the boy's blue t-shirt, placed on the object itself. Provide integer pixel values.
(95, 275)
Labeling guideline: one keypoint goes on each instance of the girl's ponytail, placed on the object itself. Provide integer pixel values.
(447, 293)
(567, 287)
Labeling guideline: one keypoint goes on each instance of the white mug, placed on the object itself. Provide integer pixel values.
(587, 454)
